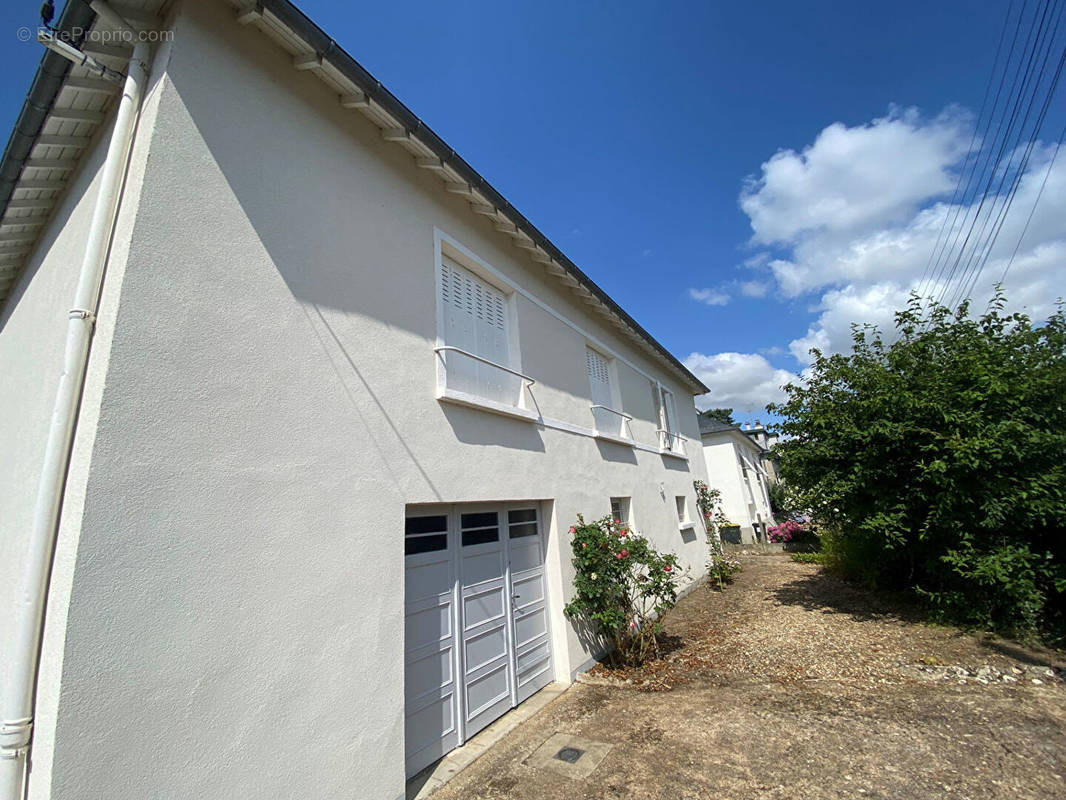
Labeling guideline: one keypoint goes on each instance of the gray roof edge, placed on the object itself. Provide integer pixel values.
(48, 80)
(330, 51)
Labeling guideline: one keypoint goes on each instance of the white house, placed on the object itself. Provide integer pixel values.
(735, 468)
(766, 441)
(297, 521)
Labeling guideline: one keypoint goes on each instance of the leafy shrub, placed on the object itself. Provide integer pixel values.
(809, 558)
(623, 588)
(936, 462)
(720, 567)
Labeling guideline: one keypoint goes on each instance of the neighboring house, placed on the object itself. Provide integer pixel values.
(342, 404)
(766, 441)
(735, 468)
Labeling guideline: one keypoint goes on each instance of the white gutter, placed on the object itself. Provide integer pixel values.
(23, 650)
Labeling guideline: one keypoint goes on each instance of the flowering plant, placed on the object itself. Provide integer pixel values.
(790, 531)
(623, 587)
(785, 532)
(720, 567)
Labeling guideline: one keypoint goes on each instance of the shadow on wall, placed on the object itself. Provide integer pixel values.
(472, 426)
(617, 453)
(354, 370)
(675, 464)
(332, 204)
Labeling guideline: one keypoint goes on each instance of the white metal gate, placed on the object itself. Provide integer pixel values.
(476, 633)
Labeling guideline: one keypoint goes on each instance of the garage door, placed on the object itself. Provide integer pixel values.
(476, 634)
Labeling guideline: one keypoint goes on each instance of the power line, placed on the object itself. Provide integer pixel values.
(982, 250)
(936, 257)
(1036, 202)
(1018, 91)
(926, 271)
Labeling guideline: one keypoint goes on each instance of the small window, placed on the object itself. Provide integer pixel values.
(620, 509)
(480, 528)
(682, 508)
(522, 522)
(425, 534)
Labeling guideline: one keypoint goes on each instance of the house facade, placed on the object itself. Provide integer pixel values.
(766, 440)
(341, 406)
(735, 467)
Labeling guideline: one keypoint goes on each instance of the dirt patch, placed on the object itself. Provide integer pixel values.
(794, 684)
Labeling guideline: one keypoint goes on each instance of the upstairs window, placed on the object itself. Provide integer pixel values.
(609, 419)
(620, 509)
(669, 437)
(476, 320)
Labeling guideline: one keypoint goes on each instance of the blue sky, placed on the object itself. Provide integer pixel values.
(626, 132)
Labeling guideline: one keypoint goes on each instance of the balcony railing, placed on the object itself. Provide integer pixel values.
(670, 442)
(611, 423)
(468, 375)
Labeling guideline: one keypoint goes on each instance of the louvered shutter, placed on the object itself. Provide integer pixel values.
(599, 377)
(475, 320)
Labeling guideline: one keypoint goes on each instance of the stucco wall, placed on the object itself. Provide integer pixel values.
(235, 613)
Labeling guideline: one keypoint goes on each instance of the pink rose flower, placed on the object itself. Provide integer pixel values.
(573, 529)
(668, 568)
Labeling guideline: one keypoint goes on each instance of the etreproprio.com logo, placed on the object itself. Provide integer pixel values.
(78, 36)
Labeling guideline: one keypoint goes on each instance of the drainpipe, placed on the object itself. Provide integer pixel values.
(23, 650)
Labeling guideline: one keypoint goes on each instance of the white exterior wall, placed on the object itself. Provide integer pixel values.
(722, 455)
(234, 603)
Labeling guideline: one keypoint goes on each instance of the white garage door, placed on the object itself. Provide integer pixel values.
(476, 635)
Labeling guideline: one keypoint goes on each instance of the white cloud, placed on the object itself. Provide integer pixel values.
(743, 381)
(712, 297)
(857, 215)
(754, 288)
(848, 224)
(850, 178)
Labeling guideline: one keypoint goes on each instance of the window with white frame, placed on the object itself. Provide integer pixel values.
(670, 439)
(682, 510)
(608, 417)
(475, 327)
(620, 509)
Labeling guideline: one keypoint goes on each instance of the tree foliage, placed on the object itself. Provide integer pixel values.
(938, 462)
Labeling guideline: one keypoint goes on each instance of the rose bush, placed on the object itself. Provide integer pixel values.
(720, 567)
(623, 588)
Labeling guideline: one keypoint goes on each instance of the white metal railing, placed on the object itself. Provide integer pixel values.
(670, 441)
(482, 377)
(611, 421)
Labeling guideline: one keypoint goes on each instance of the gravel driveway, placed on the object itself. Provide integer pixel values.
(792, 684)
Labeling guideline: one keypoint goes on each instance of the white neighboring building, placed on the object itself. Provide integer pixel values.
(735, 468)
(342, 404)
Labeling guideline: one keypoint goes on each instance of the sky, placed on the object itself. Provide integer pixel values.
(746, 179)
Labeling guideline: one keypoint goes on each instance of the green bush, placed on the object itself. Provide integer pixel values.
(809, 558)
(623, 588)
(936, 462)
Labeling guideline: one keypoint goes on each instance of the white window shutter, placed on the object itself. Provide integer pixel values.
(599, 377)
(475, 320)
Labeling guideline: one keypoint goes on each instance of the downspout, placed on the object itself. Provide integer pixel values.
(23, 650)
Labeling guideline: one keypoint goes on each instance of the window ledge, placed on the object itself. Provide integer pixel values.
(674, 454)
(484, 404)
(615, 438)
